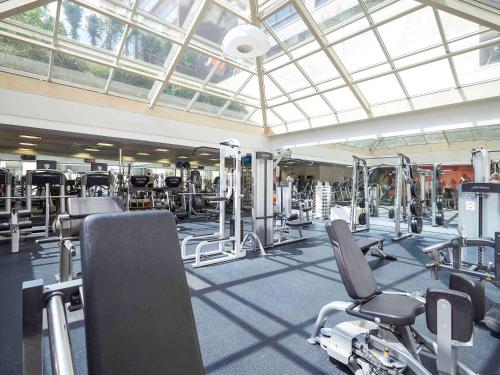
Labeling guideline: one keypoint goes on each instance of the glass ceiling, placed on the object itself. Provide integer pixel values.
(329, 62)
(469, 134)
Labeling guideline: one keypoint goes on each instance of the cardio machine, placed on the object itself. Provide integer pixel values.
(383, 340)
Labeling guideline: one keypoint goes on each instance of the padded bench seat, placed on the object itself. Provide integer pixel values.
(366, 243)
(393, 309)
(298, 223)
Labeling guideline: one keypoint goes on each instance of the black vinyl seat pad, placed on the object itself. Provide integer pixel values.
(393, 309)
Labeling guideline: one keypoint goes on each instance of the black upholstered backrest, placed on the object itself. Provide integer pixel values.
(354, 269)
(474, 288)
(462, 314)
(138, 314)
(81, 207)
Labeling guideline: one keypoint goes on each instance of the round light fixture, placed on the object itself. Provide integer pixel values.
(245, 41)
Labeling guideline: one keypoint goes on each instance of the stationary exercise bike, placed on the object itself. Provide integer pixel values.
(384, 340)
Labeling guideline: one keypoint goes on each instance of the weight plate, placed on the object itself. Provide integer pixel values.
(416, 191)
(440, 218)
(416, 207)
(416, 225)
(361, 203)
(439, 204)
(414, 171)
(362, 219)
(391, 213)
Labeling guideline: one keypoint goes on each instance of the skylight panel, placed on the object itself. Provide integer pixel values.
(342, 99)
(144, 46)
(251, 89)
(289, 78)
(238, 112)
(318, 67)
(171, 11)
(360, 52)
(195, 65)
(479, 65)
(455, 27)
(131, 85)
(216, 23)
(176, 96)
(428, 78)
(20, 57)
(314, 106)
(78, 72)
(411, 33)
(289, 112)
(209, 104)
(256, 118)
(328, 14)
(228, 77)
(382, 89)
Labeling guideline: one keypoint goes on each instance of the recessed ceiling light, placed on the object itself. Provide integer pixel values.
(25, 149)
(161, 150)
(91, 149)
(164, 161)
(29, 136)
(27, 144)
(204, 154)
(143, 154)
(182, 157)
(82, 155)
(215, 159)
(105, 144)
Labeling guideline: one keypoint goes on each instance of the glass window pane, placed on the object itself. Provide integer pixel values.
(318, 67)
(301, 93)
(216, 23)
(238, 112)
(79, 72)
(42, 18)
(251, 89)
(290, 78)
(366, 73)
(256, 118)
(289, 112)
(20, 57)
(241, 6)
(272, 119)
(342, 99)
(411, 33)
(314, 106)
(419, 57)
(176, 96)
(195, 65)
(146, 47)
(415, 140)
(289, 27)
(328, 14)
(171, 11)
(360, 51)
(435, 138)
(428, 78)
(456, 26)
(90, 28)
(479, 65)
(208, 104)
(271, 90)
(305, 49)
(229, 77)
(131, 85)
(347, 30)
(382, 89)
(395, 8)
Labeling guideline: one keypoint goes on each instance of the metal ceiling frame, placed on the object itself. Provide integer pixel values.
(316, 32)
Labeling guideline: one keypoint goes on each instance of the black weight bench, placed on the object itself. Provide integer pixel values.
(137, 307)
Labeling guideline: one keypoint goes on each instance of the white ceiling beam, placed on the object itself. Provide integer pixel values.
(314, 29)
(260, 69)
(470, 10)
(13, 7)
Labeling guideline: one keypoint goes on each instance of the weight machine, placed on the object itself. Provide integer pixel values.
(264, 165)
(476, 251)
(229, 187)
(361, 198)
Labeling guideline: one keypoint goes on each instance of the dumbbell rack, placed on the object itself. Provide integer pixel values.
(323, 200)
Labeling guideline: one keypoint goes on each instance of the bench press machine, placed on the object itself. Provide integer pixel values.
(229, 187)
(131, 325)
(384, 340)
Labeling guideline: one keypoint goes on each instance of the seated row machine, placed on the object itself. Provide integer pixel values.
(131, 325)
(384, 340)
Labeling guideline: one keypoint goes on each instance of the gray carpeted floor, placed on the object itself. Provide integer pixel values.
(254, 315)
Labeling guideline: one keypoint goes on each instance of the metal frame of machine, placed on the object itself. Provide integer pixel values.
(229, 187)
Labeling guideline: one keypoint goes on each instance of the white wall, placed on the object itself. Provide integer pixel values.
(38, 111)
